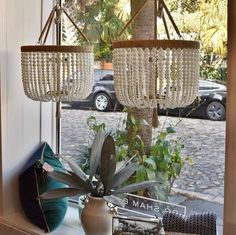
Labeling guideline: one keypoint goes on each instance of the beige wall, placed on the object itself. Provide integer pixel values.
(21, 118)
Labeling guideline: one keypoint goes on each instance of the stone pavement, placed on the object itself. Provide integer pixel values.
(204, 142)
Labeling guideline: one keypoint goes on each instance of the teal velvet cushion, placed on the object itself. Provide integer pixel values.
(46, 214)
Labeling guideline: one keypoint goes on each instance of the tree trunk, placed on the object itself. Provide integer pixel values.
(143, 25)
(143, 28)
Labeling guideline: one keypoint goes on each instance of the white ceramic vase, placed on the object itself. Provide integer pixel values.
(96, 217)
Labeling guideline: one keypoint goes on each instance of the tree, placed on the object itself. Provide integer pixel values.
(213, 26)
(100, 21)
(142, 28)
(205, 21)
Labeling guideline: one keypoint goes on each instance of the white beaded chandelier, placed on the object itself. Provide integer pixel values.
(152, 72)
(53, 73)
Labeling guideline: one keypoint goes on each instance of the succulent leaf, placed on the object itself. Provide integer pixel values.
(76, 169)
(71, 180)
(135, 187)
(96, 152)
(125, 163)
(62, 192)
(123, 174)
(108, 163)
(109, 181)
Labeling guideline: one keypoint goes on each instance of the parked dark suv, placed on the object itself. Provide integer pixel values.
(103, 95)
(210, 103)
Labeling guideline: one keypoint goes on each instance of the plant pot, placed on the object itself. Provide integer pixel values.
(96, 217)
(106, 65)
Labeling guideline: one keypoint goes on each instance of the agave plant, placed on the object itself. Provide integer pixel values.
(104, 179)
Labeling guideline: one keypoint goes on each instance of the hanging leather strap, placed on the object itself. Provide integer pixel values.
(47, 25)
(158, 12)
(171, 18)
(68, 16)
(56, 13)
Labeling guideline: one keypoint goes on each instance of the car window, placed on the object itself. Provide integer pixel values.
(107, 77)
(204, 88)
(210, 86)
(101, 73)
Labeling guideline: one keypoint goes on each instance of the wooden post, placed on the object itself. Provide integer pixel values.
(230, 159)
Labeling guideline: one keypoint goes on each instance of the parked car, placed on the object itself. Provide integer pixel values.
(102, 97)
(210, 103)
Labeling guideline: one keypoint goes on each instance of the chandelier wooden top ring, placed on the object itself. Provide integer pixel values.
(157, 44)
(54, 48)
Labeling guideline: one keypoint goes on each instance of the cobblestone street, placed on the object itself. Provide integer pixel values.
(204, 142)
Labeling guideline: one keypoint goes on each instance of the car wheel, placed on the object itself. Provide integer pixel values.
(215, 111)
(102, 102)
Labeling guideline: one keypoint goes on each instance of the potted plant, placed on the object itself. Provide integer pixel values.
(103, 183)
(164, 162)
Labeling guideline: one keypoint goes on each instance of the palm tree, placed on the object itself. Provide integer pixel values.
(213, 26)
(206, 20)
(99, 20)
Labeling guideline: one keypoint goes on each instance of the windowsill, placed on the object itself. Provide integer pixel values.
(18, 225)
(71, 224)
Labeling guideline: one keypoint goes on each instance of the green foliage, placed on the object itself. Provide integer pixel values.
(103, 51)
(100, 21)
(183, 6)
(104, 179)
(94, 126)
(164, 157)
(209, 72)
(214, 68)
(166, 154)
(205, 21)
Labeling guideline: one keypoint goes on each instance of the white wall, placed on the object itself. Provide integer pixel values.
(21, 118)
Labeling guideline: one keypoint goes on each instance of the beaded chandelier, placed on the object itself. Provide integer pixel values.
(148, 73)
(55, 72)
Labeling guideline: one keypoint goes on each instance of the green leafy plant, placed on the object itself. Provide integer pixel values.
(212, 73)
(104, 179)
(101, 21)
(163, 162)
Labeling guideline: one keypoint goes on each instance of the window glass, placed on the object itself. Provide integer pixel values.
(196, 131)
